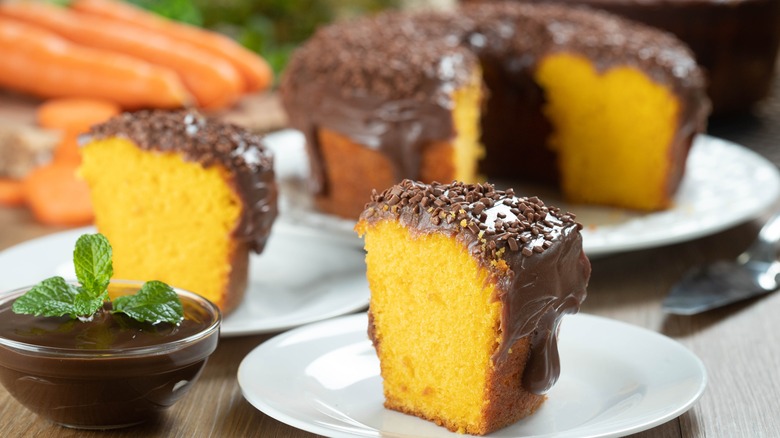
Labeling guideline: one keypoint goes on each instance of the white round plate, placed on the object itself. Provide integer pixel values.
(302, 276)
(717, 173)
(616, 379)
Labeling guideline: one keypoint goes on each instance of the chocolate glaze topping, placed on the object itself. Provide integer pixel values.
(382, 81)
(537, 243)
(209, 143)
(386, 81)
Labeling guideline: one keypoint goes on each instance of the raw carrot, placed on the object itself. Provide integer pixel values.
(67, 150)
(56, 197)
(75, 114)
(39, 62)
(11, 192)
(254, 69)
(213, 81)
(73, 117)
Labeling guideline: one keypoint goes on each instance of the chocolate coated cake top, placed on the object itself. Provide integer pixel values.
(209, 143)
(496, 220)
(383, 80)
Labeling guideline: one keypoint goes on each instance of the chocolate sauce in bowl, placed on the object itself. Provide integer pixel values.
(106, 331)
(109, 372)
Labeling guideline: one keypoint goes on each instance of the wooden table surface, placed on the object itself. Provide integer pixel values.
(739, 345)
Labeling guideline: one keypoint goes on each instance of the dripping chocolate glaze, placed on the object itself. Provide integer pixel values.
(386, 81)
(539, 244)
(209, 143)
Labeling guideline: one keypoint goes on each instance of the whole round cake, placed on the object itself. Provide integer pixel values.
(605, 108)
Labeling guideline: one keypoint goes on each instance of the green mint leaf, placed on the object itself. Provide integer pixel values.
(156, 302)
(55, 297)
(85, 305)
(92, 259)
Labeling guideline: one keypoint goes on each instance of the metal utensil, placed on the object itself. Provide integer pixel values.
(752, 273)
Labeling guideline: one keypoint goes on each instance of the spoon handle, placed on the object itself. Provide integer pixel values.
(765, 246)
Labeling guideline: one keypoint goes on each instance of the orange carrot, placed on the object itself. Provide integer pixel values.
(67, 150)
(73, 117)
(11, 192)
(39, 62)
(75, 114)
(255, 71)
(56, 197)
(213, 81)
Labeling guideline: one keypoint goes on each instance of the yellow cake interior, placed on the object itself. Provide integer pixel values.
(467, 147)
(436, 325)
(166, 218)
(613, 132)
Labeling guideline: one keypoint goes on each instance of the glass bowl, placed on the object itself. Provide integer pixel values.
(109, 373)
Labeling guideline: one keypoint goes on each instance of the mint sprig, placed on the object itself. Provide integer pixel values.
(155, 302)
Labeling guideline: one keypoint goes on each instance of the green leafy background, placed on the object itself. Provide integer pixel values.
(272, 28)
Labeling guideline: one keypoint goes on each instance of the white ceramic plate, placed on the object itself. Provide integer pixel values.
(616, 379)
(301, 277)
(718, 172)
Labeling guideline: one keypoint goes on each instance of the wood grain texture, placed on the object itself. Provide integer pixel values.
(740, 345)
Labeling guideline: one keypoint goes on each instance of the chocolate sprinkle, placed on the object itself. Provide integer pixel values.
(489, 219)
(209, 143)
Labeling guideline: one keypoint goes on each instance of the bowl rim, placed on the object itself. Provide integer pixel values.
(117, 353)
